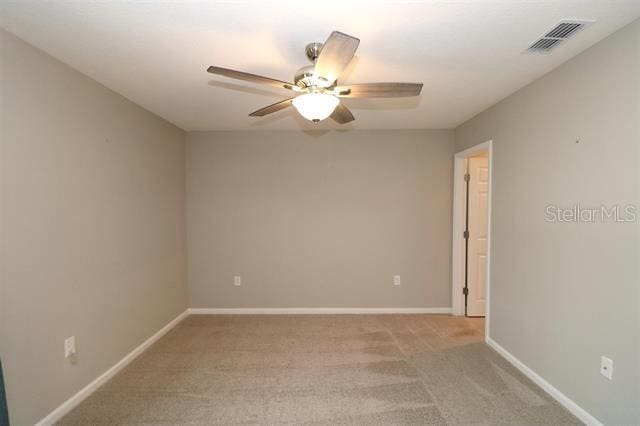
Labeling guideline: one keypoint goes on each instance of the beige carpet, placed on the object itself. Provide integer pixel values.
(324, 369)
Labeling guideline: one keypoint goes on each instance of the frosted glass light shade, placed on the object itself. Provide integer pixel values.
(315, 106)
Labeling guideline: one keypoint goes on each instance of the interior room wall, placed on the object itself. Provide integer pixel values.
(92, 226)
(316, 219)
(564, 294)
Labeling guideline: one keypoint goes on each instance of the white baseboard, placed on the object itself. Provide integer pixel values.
(566, 402)
(76, 399)
(316, 311)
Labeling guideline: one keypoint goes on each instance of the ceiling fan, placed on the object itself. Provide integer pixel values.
(317, 93)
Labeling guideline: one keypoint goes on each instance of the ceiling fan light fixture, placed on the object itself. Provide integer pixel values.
(315, 106)
(315, 95)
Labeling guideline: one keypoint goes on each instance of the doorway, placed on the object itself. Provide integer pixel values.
(472, 232)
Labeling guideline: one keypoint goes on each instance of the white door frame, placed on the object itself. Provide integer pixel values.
(459, 191)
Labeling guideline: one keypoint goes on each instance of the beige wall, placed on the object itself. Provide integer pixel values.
(319, 219)
(562, 295)
(92, 228)
(93, 244)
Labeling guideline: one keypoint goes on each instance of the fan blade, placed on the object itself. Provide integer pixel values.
(378, 90)
(253, 78)
(334, 57)
(342, 114)
(272, 108)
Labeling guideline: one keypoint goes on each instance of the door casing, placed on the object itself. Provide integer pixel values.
(459, 193)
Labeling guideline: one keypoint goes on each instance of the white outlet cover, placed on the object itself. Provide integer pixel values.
(606, 367)
(396, 280)
(69, 346)
(237, 281)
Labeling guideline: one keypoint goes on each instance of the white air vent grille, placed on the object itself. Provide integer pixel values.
(565, 29)
(544, 44)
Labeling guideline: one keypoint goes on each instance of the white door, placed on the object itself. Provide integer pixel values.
(478, 169)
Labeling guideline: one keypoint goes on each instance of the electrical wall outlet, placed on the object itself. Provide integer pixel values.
(606, 367)
(69, 346)
(237, 280)
(396, 280)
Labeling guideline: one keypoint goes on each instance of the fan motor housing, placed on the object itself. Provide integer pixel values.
(304, 77)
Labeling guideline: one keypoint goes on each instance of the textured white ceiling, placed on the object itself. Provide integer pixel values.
(468, 53)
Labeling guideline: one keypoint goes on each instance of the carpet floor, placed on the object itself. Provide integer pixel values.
(321, 369)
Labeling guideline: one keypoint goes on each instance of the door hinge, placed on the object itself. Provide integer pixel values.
(467, 177)
(465, 235)
(465, 291)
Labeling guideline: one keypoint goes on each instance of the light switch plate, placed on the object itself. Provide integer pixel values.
(237, 281)
(396, 280)
(69, 346)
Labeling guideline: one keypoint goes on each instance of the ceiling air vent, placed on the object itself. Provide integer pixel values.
(565, 29)
(544, 44)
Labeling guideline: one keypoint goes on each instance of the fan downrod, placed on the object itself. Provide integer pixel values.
(313, 51)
